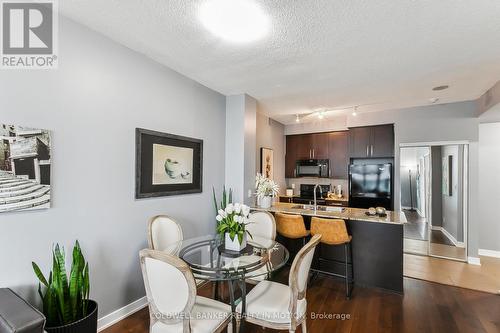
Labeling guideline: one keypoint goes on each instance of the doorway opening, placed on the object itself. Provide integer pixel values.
(434, 192)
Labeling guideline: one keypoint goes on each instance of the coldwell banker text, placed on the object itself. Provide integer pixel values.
(29, 38)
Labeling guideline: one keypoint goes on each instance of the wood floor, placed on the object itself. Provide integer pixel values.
(483, 278)
(425, 307)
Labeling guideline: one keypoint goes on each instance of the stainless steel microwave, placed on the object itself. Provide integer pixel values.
(312, 168)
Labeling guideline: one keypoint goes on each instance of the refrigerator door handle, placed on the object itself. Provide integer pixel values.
(371, 151)
(367, 150)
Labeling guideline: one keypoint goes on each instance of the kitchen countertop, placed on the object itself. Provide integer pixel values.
(356, 214)
(337, 199)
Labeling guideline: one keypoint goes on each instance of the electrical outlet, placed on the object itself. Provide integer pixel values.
(249, 193)
(293, 186)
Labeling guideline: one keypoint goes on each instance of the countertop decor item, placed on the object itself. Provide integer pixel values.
(65, 298)
(231, 221)
(266, 189)
(167, 164)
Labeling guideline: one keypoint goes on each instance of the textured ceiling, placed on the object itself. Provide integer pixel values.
(320, 54)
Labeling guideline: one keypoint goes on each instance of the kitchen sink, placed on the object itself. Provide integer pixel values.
(320, 208)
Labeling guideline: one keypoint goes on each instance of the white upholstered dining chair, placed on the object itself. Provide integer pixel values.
(262, 227)
(164, 234)
(277, 306)
(262, 224)
(174, 306)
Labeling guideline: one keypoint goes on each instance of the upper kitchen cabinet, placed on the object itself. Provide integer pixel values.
(372, 141)
(338, 151)
(292, 153)
(303, 146)
(319, 145)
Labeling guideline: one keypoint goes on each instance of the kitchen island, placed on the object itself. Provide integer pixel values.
(377, 244)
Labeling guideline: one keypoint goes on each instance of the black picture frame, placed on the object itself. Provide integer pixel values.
(144, 187)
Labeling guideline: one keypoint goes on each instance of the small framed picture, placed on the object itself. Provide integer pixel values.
(167, 164)
(266, 162)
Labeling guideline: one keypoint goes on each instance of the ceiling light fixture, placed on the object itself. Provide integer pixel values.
(297, 119)
(236, 21)
(438, 88)
(321, 114)
(355, 112)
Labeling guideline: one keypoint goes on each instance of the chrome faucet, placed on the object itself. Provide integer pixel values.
(315, 201)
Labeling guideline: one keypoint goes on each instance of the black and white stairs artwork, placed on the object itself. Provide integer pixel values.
(18, 193)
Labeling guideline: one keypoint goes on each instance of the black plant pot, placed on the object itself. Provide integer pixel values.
(84, 325)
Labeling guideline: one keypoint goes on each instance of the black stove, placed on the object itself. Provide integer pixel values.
(307, 194)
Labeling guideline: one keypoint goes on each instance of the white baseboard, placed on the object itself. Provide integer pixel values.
(489, 253)
(122, 313)
(474, 261)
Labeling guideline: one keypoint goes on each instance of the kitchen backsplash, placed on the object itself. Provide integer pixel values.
(323, 181)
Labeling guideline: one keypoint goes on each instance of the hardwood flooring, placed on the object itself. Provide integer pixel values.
(484, 278)
(425, 307)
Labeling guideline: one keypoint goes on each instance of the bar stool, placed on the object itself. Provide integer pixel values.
(291, 226)
(333, 233)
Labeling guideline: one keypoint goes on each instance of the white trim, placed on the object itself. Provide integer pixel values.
(489, 253)
(436, 143)
(474, 261)
(449, 236)
(122, 313)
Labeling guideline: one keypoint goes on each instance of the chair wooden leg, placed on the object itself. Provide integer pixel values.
(304, 326)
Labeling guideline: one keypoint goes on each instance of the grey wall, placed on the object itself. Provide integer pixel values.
(241, 127)
(101, 92)
(437, 186)
(434, 123)
(271, 134)
(452, 205)
(489, 184)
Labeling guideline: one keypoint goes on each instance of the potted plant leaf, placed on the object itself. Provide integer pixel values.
(66, 303)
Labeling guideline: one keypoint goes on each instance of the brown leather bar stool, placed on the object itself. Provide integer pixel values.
(334, 233)
(291, 226)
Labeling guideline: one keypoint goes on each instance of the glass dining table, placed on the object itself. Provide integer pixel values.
(209, 261)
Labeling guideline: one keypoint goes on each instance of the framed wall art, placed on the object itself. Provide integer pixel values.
(167, 164)
(24, 168)
(266, 162)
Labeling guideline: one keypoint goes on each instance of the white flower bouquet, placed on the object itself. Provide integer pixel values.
(232, 219)
(265, 187)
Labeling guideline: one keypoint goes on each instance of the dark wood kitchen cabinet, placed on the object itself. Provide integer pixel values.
(371, 141)
(292, 154)
(319, 145)
(338, 153)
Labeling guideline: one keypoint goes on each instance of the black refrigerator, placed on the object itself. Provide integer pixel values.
(370, 185)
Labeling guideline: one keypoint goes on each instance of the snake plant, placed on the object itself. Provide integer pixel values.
(65, 299)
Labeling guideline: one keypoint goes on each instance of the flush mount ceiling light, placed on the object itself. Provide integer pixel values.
(321, 114)
(355, 112)
(236, 21)
(297, 119)
(438, 88)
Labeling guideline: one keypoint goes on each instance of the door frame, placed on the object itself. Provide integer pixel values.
(465, 195)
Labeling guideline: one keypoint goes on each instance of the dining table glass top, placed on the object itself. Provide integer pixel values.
(209, 260)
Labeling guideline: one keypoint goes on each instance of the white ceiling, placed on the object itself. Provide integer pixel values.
(330, 54)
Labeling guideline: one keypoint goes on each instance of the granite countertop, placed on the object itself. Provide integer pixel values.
(346, 213)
